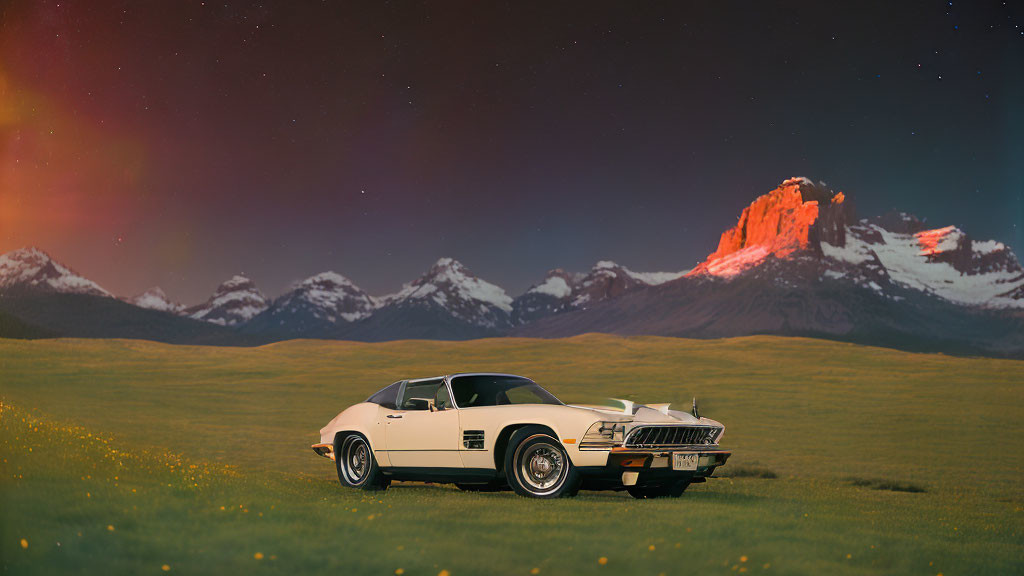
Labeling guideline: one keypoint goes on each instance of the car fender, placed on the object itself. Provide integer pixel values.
(568, 423)
(364, 418)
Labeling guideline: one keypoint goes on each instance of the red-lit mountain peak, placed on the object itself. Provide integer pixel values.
(939, 240)
(794, 216)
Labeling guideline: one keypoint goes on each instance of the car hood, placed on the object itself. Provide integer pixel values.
(645, 413)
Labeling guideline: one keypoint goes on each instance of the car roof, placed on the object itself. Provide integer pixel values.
(487, 374)
(457, 374)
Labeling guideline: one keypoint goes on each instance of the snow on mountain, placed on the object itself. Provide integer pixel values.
(450, 286)
(648, 278)
(33, 268)
(155, 299)
(561, 291)
(554, 285)
(549, 296)
(610, 280)
(327, 296)
(235, 301)
(943, 262)
(656, 278)
(803, 219)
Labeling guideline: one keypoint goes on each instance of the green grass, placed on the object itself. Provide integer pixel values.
(199, 459)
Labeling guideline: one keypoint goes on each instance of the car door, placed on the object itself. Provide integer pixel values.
(419, 436)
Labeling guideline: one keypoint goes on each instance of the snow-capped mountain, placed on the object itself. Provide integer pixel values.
(797, 263)
(156, 299)
(312, 307)
(550, 296)
(33, 269)
(39, 297)
(802, 218)
(235, 301)
(451, 287)
(448, 302)
(561, 291)
(607, 280)
(327, 295)
(943, 262)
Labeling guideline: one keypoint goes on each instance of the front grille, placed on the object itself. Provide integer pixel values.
(666, 436)
(473, 439)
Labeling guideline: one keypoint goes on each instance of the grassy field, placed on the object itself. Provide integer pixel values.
(129, 457)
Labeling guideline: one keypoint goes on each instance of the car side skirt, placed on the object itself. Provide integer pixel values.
(442, 475)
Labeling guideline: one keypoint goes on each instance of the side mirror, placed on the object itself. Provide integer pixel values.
(431, 406)
(696, 413)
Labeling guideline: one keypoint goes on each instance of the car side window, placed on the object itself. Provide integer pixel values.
(418, 395)
(443, 400)
(388, 397)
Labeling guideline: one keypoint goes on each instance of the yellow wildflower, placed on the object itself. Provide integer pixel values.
(258, 555)
(602, 560)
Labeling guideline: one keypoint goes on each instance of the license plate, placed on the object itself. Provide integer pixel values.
(684, 461)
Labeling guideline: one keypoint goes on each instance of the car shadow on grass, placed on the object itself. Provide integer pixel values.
(699, 493)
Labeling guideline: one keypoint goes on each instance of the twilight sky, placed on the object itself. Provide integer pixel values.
(177, 143)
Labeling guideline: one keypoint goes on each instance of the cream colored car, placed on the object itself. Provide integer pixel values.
(490, 431)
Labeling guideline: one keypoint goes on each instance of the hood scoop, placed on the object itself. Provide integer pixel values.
(652, 414)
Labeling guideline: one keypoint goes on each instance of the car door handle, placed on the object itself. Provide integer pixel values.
(394, 415)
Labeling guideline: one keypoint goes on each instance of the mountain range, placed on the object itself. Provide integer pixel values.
(797, 263)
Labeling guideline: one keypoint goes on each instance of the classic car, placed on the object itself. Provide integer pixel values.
(484, 431)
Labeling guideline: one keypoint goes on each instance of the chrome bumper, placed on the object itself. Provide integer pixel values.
(325, 450)
(634, 458)
(631, 467)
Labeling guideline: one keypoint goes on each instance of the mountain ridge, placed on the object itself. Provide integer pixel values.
(797, 262)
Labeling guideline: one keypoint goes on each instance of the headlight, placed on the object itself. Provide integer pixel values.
(603, 435)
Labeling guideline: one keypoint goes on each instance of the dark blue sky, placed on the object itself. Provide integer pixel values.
(176, 144)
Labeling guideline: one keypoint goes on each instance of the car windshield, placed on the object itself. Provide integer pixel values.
(491, 390)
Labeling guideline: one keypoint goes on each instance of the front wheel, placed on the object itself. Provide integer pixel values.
(357, 468)
(537, 466)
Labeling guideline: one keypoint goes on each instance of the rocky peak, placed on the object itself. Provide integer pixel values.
(326, 296)
(32, 268)
(798, 215)
(449, 285)
(952, 246)
(547, 297)
(557, 283)
(235, 301)
(606, 280)
(156, 299)
(561, 291)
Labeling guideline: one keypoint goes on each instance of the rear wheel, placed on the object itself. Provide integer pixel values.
(666, 490)
(357, 468)
(537, 466)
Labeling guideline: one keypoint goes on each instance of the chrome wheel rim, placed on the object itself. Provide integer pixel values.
(355, 459)
(542, 467)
